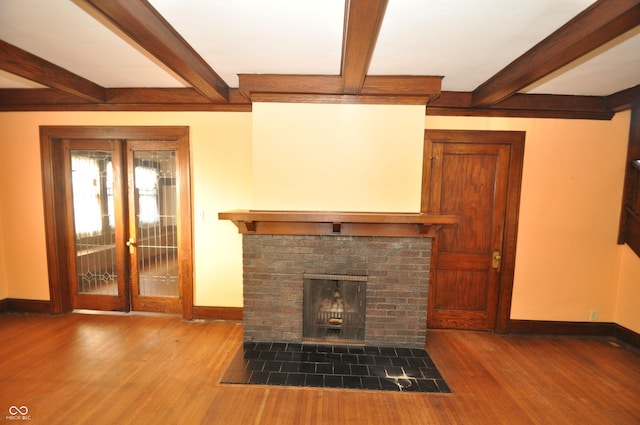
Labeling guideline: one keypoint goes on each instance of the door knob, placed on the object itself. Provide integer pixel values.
(496, 259)
(131, 243)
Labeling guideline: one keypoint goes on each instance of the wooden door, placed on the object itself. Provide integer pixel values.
(95, 223)
(154, 231)
(475, 175)
(118, 218)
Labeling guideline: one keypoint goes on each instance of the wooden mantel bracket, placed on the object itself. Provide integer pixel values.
(262, 222)
(337, 227)
(250, 226)
(430, 230)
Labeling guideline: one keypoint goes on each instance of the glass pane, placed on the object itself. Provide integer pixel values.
(93, 218)
(156, 220)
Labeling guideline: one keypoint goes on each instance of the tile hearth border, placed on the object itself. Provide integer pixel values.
(327, 366)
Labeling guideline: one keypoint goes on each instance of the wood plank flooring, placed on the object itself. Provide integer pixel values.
(153, 369)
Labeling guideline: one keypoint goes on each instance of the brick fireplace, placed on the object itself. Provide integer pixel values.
(390, 253)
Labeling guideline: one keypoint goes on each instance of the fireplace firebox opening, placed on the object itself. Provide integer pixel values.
(334, 308)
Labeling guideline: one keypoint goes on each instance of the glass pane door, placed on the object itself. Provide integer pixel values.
(97, 280)
(92, 182)
(154, 237)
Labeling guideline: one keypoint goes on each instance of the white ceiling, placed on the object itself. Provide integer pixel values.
(466, 41)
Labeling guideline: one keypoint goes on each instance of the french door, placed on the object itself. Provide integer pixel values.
(124, 214)
(98, 265)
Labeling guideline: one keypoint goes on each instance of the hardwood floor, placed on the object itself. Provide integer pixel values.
(153, 369)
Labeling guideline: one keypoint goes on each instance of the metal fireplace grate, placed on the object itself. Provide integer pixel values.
(334, 308)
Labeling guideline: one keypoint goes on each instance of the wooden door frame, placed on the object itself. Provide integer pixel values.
(515, 139)
(54, 210)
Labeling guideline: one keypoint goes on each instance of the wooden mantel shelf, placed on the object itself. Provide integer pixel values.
(261, 222)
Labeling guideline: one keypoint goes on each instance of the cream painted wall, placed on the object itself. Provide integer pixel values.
(337, 157)
(567, 260)
(357, 157)
(24, 259)
(221, 170)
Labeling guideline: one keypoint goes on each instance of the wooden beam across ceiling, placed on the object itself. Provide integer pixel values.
(624, 99)
(362, 22)
(120, 99)
(379, 89)
(289, 83)
(524, 105)
(601, 22)
(146, 27)
(373, 85)
(363, 19)
(34, 68)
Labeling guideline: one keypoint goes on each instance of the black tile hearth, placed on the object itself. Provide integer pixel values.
(326, 366)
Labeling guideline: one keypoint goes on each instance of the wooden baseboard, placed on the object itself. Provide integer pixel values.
(217, 313)
(15, 305)
(550, 327)
(600, 329)
(626, 335)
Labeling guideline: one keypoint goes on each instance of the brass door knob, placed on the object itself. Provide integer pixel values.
(131, 243)
(496, 259)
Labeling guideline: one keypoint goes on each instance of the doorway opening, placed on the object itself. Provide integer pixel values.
(117, 212)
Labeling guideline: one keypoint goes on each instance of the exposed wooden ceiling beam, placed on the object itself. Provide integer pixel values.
(624, 99)
(340, 99)
(289, 83)
(384, 85)
(374, 92)
(523, 105)
(120, 99)
(402, 85)
(34, 68)
(145, 26)
(363, 19)
(601, 22)
(17, 99)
